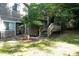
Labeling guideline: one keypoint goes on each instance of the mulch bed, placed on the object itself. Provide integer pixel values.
(31, 39)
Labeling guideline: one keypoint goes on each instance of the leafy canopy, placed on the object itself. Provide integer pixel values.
(62, 12)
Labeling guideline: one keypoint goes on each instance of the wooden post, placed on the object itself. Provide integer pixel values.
(48, 26)
(25, 29)
(47, 20)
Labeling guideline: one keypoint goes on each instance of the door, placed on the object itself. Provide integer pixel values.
(19, 29)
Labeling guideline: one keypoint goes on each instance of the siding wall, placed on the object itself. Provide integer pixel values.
(8, 34)
(9, 15)
(11, 32)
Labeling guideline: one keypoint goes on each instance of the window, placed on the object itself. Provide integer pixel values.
(10, 26)
(7, 25)
(15, 6)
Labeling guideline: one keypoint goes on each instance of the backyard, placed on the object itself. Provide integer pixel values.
(66, 44)
(45, 29)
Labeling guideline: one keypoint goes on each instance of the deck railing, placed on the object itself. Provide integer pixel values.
(52, 28)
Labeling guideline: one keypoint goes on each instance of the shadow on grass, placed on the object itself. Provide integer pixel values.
(77, 53)
(71, 38)
(7, 48)
(10, 48)
(42, 45)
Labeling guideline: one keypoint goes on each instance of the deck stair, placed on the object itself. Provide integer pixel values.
(47, 31)
(53, 28)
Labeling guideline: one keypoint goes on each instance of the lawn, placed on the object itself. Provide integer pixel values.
(65, 45)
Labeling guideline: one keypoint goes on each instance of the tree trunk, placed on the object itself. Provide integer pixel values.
(39, 32)
(28, 33)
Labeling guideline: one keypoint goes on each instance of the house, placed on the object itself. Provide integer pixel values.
(11, 25)
(10, 20)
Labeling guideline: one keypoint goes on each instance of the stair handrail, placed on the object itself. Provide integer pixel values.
(50, 27)
(53, 27)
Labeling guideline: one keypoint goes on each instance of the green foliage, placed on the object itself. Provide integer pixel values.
(37, 13)
(34, 16)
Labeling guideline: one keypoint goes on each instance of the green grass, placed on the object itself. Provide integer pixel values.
(69, 38)
(8, 48)
(64, 45)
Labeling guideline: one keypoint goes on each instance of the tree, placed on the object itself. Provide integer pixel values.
(33, 18)
(63, 14)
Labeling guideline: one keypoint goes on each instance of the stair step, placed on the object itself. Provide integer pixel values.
(44, 33)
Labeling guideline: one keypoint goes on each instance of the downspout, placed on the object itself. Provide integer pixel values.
(15, 29)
